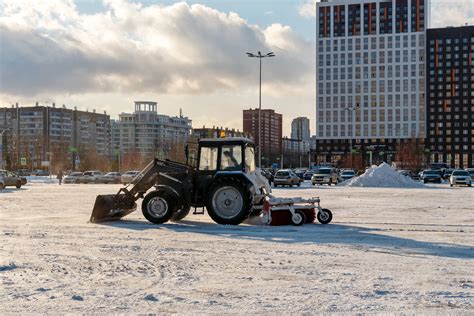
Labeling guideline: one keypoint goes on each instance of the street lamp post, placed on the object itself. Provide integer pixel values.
(260, 56)
(351, 110)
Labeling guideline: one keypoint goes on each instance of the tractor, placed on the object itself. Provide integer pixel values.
(223, 179)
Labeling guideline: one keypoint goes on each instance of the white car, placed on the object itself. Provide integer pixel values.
(111, 177)
(128, 176)
(92, 176)
(460, 177)
(346, 175)
(72, 177)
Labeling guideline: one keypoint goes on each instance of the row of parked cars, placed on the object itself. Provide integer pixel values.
(11, 179)
(319, 176)
(454, 176)
(95, 176)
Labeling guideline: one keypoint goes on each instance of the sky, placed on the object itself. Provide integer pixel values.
(105, 54)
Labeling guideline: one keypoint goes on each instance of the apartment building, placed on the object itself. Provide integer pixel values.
(370, 74)
(151, 134)
(300, 129)
(40, 133)
(271, 128)
(450, 95)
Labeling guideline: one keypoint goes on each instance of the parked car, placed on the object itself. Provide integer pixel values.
(286, 177)
(431, 176)
(308, 174)
(447, 173)
(72, 177)
(40, 172)
(459, 177)
(128, 176)
(9, 179)
(92, 176)
(23, 172)
(471, 172)
(346, 175)
(300, 173)
(325, 176)
(417, 176)
(111, 177)
(268, 175)
(406, 173)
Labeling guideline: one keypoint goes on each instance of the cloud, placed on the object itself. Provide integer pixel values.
(51, 48)
(446, 13)
(308, 10)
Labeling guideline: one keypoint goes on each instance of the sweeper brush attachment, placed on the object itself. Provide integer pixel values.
(112, 207)
(296, 211)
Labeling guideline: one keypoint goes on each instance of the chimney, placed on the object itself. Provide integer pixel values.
(35, 104)
(54, 105)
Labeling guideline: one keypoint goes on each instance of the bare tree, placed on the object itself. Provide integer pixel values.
(410, 155)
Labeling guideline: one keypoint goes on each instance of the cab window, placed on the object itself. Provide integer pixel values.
(249, 159)
(208, 159)
(231, 158)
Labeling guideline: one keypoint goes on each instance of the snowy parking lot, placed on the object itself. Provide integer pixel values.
(387, 250)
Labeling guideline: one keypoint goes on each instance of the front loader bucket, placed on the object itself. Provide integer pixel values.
(111, 207)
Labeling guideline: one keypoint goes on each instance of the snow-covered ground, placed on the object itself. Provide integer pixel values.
(387, 250)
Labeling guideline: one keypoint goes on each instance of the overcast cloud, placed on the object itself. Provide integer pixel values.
(51, 48)
(188, 56)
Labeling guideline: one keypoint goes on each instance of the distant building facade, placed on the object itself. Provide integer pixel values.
(450, 95)
(296, 152)
(217, 132)
(300, 129)
(151, 134)
(271, 127)
(40, 133)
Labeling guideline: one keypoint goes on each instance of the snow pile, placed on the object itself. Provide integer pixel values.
(382, 176)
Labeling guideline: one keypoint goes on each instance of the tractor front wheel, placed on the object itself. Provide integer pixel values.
(228, 202)
(158, 207)
(181, 213)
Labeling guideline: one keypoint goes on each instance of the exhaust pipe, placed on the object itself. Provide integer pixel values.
(112, 207)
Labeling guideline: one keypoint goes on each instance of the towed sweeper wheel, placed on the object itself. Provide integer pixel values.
(228, 202)
(324, 216)
(158, 207)
(298, 219)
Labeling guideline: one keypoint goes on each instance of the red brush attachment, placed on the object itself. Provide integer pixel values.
(281, 218)
(310, 215)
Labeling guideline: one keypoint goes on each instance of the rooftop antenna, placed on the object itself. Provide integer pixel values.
(180, 112)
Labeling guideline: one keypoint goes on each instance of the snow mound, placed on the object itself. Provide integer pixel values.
(382, 176)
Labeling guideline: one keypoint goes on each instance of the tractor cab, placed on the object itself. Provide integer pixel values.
(226, 155)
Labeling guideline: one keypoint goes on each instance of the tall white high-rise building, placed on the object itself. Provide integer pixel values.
(370, 74)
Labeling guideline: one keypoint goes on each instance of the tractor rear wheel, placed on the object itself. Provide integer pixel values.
(158, 207)
(181, 213)
(228, 202)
